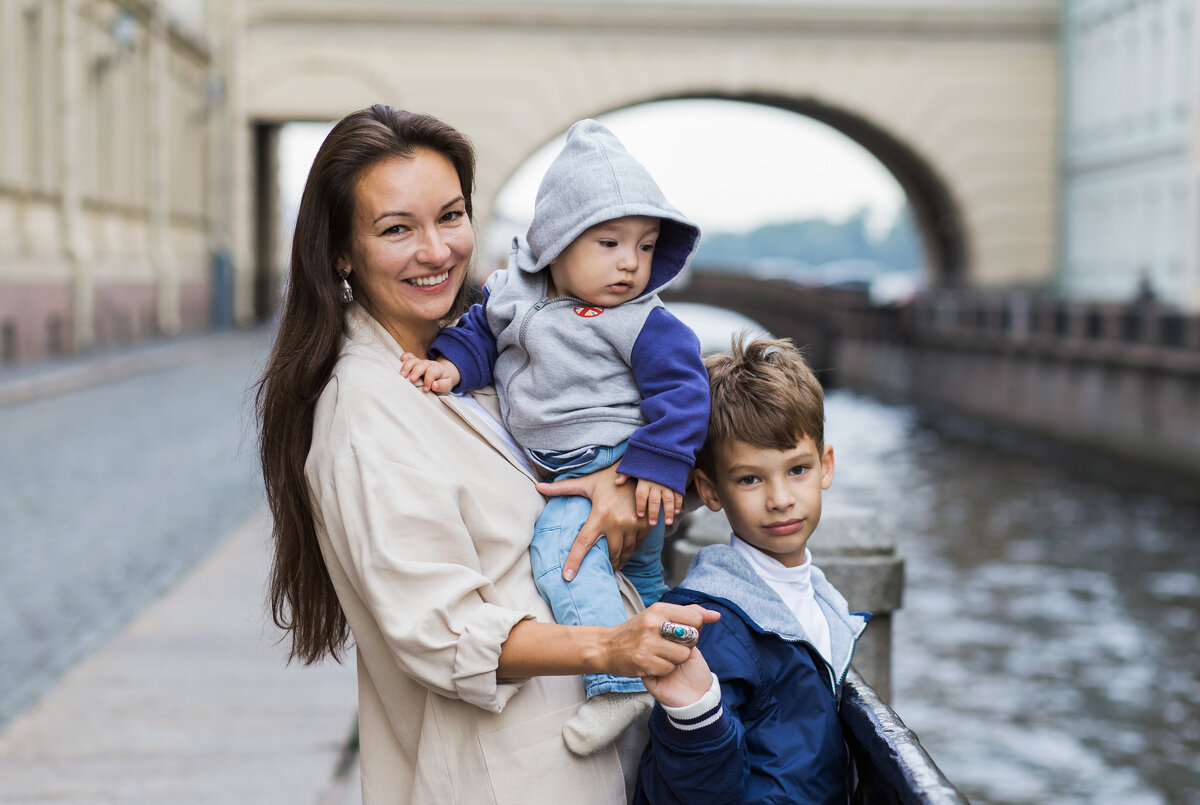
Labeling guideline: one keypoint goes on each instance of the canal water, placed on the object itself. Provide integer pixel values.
(1047, 648)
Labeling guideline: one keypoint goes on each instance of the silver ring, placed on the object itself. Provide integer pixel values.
(678, 633)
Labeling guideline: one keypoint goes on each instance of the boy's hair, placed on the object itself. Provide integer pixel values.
(763, 394)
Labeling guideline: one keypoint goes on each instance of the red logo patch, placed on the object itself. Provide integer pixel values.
(586, 312)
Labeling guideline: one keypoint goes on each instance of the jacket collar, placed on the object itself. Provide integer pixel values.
(719, 573)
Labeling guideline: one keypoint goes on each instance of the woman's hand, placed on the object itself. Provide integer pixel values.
(614, 515)
(637, 647)
(684, 685)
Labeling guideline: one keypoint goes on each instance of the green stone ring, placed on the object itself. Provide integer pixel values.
(678, 633)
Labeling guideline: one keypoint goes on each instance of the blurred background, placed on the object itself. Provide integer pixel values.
(980, 217)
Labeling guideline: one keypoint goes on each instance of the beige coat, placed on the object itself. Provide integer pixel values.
(424, 520)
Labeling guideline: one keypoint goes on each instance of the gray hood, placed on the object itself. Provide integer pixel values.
(718, 572)
(592, 180)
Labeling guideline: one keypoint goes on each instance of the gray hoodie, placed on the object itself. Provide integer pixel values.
(572, 375)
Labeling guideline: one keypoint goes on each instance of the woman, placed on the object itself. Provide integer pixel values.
(404, 518)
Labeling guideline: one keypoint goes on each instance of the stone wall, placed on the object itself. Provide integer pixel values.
(1121, 379)
(104, 196)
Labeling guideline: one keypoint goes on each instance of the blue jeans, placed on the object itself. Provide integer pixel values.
(592, 597)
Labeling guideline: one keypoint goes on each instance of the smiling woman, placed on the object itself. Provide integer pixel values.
(403, 519)
(410, 245)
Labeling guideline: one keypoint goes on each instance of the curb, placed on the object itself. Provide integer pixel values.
(52, 378)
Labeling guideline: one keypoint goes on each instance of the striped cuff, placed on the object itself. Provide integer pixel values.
(699, 716)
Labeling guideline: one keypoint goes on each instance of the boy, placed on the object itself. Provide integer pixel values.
(591, 370)
(763, 726)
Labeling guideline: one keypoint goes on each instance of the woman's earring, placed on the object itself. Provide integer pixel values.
(347, 291)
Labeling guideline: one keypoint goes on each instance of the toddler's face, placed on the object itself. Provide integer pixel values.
(609, 263)
(772, 498)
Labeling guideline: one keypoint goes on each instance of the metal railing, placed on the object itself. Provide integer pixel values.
(891, 764)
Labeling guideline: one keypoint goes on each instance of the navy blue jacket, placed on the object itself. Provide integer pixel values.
(776, 737)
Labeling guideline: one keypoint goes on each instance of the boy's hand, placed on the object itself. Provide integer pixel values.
(438, 376)
(651, 496)
(684, 685)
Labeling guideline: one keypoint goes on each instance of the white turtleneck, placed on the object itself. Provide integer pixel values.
(794, 586)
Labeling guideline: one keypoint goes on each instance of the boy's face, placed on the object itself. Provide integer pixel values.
(771, 497)
(609, 263)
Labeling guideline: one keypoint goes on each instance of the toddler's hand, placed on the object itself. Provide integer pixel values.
(651, 496)
(438, 376)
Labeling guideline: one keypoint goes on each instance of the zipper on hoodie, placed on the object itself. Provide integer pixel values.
(529, 314)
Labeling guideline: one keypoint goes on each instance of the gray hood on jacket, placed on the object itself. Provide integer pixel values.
(718, 572)
(592, 180)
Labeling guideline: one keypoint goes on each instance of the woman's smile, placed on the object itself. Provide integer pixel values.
(430, 281)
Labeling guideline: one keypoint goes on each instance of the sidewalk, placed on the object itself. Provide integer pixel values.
(191, 703)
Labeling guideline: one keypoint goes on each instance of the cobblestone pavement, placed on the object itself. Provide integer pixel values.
(119, 473)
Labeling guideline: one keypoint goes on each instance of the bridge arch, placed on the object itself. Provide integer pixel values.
(935, 211)
(959, 100)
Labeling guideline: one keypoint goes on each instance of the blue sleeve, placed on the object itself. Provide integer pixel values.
(708, 764)
(471, 346)
(673, 384)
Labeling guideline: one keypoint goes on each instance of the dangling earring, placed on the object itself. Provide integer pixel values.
(347, 291)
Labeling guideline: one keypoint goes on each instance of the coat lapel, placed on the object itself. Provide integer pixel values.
(362, 326)
(487, 398)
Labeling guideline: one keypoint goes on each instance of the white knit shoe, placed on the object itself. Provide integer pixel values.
(602, 718)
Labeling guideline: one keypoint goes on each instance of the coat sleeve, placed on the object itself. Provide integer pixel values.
(471, 346)
(673, 385)
(394, 521)
(704, 759)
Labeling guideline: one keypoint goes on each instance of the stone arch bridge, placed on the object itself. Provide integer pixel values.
(958, 98)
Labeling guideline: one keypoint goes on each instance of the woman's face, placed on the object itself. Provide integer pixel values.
(410, 245)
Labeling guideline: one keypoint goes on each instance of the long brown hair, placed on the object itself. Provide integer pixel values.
(303, 601)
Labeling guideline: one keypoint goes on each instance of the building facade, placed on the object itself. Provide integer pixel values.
(105, 185)
(1131, 151)
(137, 154)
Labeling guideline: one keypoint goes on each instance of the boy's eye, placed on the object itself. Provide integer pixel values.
(798, 470)
(608, 244)
(647, 247)
(747, 480)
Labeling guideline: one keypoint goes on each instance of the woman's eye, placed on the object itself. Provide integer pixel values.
(395, 229)
(453, 215)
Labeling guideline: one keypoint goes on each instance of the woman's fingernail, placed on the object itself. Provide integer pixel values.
(568, 574)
